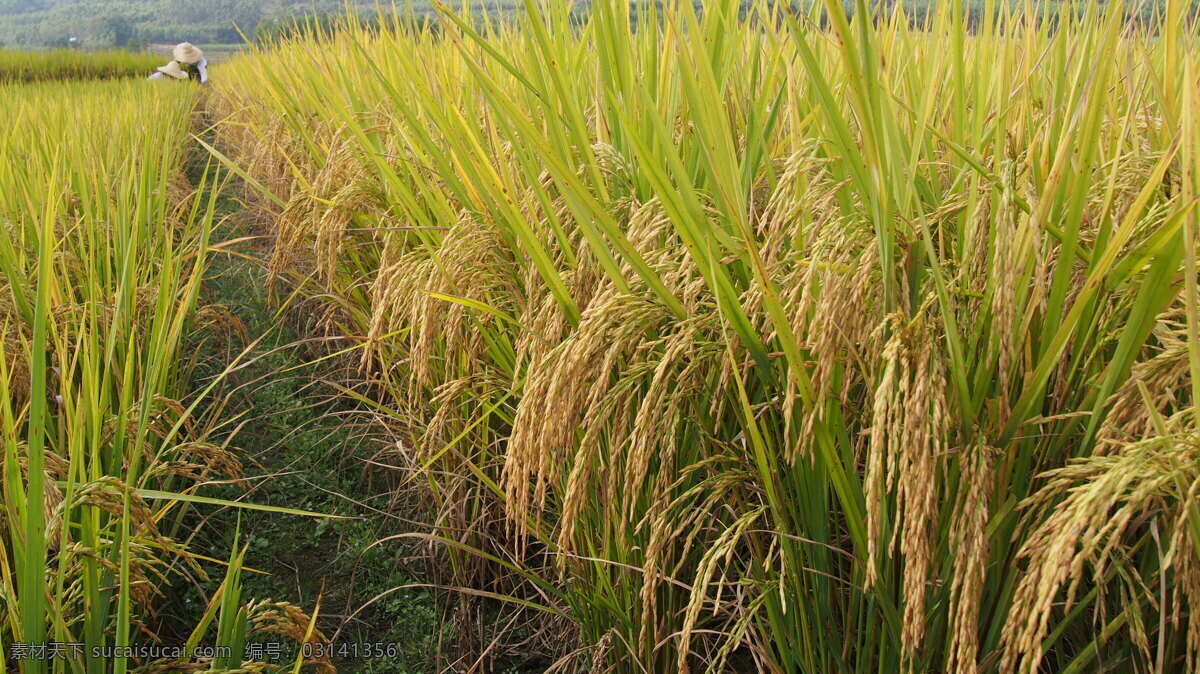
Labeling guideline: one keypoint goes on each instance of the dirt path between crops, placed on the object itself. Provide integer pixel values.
(309, 445)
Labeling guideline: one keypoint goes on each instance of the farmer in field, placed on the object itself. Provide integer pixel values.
(188, 63)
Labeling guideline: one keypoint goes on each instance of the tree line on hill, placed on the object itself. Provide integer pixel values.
(94, 24)
(132, 24)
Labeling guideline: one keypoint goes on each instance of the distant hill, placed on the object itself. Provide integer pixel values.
(134, 23)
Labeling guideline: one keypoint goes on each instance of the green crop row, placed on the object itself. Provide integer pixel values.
(74, 64)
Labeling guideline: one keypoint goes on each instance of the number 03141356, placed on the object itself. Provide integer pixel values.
(351, 649)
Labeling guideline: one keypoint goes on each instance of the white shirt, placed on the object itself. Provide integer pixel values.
(201, 68)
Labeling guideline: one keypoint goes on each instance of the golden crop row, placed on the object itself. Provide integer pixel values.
(752, 339)
(103, 248)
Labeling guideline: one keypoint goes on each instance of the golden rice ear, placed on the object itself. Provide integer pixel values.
(909, 431)
(290, 621)
(1166, 376)
(1084, 517)
(969, 545)
(17, 373)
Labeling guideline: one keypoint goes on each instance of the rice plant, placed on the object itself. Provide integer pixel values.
(103, 250)
(102, 266)
(761, 339)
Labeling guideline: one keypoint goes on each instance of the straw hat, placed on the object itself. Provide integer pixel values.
(172, 69)
(184, 52)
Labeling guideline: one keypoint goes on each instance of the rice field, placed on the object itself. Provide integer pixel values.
(74, 64)
(749, 339)
(754, 340)
(101, 271)
(104, 249)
